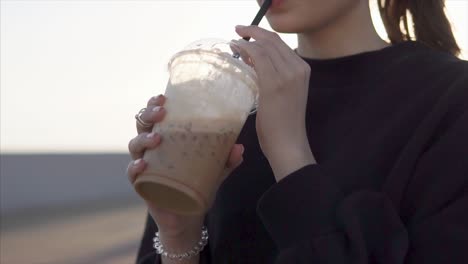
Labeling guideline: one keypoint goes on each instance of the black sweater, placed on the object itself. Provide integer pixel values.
(389, 130)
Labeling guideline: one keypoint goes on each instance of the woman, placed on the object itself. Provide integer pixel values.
(357, 153)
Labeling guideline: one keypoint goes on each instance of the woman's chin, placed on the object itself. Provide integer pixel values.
(283, 24)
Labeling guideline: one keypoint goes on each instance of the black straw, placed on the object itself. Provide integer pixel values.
(261, 13)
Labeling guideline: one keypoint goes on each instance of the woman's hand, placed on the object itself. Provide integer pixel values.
(177, 231)
(283, 89)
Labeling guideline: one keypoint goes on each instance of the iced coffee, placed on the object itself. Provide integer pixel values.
(209, 96)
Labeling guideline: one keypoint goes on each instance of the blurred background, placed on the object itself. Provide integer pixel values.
(73, 75)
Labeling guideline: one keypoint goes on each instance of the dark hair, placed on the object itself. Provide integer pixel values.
(430, 24)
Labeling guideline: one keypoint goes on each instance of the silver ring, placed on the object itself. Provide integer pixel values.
(140, 121)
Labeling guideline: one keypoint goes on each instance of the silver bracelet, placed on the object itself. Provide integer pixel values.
(186, 255)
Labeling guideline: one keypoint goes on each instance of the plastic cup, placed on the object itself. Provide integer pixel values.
(209, 96)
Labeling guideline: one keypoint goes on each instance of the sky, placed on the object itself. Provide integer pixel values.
(74, 73)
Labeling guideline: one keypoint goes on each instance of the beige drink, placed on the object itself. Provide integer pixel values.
(190, 149)
(209, 96)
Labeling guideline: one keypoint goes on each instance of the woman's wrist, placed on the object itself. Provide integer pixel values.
(291, 160)
(177, 227)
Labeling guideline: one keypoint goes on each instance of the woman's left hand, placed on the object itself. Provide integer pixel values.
(283, 79)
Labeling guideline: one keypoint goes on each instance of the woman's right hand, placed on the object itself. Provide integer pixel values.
(173, 228)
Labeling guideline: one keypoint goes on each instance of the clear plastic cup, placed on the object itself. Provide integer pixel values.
(209, 96)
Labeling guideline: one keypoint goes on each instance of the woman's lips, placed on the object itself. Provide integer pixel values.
(276, 3)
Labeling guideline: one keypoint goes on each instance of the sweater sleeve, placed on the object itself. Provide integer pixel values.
(146, 253)
(312, 221)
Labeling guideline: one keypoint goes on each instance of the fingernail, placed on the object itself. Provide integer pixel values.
(240, 27)
(156, 109)
(235, 48)
(136, 162)
(240, 162)
(156, 97)
(242, 150)
(236, 42)
(150, 135)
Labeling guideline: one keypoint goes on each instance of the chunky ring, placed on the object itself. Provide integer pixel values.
(140, 121)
